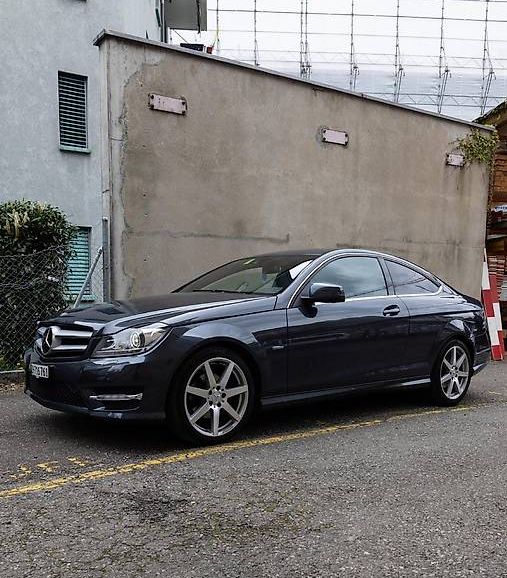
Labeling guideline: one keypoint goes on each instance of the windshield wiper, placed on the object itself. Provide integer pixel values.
(213, 291)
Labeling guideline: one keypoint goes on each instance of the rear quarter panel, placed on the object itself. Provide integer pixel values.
(434, 320)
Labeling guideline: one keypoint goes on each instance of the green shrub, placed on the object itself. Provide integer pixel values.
(27, 227)
(35, 246)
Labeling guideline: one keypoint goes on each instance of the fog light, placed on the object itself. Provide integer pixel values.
(117, 397)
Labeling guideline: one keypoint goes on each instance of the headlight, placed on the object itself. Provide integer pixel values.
(131, 341)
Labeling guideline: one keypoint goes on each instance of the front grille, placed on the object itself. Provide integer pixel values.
(56, 341)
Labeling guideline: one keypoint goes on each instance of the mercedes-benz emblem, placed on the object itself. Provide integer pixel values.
(47, 340)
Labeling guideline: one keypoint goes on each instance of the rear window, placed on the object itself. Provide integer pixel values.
(408, 281)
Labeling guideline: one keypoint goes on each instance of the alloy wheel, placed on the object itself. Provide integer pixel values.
(216, 397)
(454, 372)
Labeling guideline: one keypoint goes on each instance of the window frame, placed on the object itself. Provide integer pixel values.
(66, 147)
(416, 269)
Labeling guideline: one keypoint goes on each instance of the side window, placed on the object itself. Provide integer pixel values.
(359, 276)
(407, 281)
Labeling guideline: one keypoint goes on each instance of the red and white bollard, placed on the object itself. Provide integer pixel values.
(492, 309)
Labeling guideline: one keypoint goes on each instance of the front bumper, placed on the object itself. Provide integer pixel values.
(126, 388)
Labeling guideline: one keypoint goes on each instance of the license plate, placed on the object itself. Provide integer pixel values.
(39, 371)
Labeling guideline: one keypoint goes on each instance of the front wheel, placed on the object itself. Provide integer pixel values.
(212, 397)
(451, 374)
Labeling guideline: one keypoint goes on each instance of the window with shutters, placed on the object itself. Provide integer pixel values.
(72, 110)
(79, 265)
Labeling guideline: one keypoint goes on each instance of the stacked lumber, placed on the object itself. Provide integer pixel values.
(496, 265)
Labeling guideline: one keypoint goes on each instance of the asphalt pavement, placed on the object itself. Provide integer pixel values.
(374, 485)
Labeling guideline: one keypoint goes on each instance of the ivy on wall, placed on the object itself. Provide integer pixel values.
(479, 147)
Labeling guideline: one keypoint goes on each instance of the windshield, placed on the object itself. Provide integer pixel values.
(266, 275)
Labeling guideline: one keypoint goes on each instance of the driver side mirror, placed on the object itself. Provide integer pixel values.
(325, 293)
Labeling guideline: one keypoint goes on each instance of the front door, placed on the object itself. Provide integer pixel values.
(359, 341)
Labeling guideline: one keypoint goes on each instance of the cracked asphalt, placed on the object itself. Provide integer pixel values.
(374, 485)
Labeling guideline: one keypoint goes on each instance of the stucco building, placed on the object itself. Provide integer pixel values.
(49, 103)
(207, 160)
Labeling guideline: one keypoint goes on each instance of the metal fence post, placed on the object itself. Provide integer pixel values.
(88, 277)
(106, 263)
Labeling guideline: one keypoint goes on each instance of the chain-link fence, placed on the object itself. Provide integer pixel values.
(32, 287)
(35, 287)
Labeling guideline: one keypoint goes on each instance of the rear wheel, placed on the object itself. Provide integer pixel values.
(451, 374)
(212, 397)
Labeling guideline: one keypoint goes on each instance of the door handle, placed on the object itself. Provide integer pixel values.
(391, 311)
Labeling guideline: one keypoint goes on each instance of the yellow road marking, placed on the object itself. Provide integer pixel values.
(23, 471)
(100, 474)
(48, 466)
(79, 462)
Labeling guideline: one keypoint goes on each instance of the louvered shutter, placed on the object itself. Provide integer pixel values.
(79, 264)
(72, 110)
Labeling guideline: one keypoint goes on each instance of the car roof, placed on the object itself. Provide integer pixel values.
(319, 252)
(302, 252)
(316, 253)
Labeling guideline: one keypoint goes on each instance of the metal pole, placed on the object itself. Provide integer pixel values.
(88, 277)
(443, 69)
(486, 57)
(354, 68)
(484, 51)
(256, 47)
(351, 79)
(218, 27)
(398, 67)
(163, 28)
(442, 50)
(106, 263)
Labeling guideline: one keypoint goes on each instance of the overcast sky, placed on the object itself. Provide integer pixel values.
(374, 41)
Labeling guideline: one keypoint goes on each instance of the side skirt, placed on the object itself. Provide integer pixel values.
(337, 391)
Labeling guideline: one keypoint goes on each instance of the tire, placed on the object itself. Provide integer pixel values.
(451, 374)
(211, 397)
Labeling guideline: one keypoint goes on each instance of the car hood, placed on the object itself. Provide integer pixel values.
(170, 309)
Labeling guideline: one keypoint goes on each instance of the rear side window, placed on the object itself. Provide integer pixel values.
(359, 276)
(408, 281)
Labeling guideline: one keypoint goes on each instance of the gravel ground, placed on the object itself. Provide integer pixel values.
(11, 381)
(376, 485)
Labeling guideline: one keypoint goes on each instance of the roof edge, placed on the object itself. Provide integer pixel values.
(106, 33)
(493, 113)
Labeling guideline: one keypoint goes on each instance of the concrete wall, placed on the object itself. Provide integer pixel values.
(38, 39)
(245, 172)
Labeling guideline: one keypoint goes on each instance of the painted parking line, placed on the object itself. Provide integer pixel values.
(99, 474)
(29, 470)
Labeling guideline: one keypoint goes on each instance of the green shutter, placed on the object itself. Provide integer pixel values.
(72, 111)
(79, 263)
